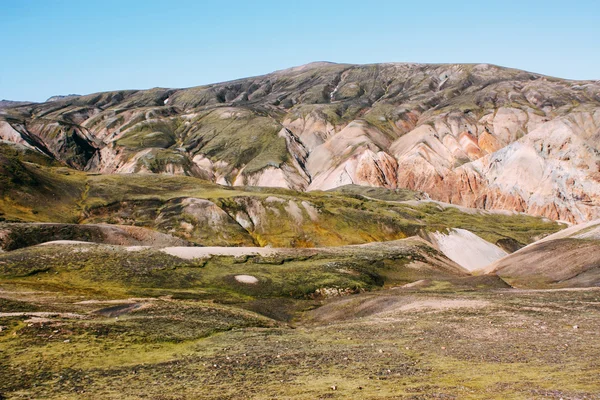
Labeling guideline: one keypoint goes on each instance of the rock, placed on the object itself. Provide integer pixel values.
(249, 279)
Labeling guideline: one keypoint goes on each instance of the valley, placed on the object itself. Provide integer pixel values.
(408, 231)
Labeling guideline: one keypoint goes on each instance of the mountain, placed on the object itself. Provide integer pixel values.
(473, 135)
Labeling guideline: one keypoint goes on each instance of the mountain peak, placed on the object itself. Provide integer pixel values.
(62, 97)
(305, 67)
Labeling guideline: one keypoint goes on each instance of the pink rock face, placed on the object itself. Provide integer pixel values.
(376, 169)
(551, 172)
(469, 145)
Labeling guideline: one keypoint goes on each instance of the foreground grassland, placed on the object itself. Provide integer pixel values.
(444, 340)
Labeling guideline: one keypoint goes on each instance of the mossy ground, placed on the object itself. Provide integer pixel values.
(517, 344)
(113, 271)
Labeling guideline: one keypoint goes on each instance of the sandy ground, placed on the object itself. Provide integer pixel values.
(395, 313)
(66, 242)
(440, 305)
(467, 249)
(190, 253)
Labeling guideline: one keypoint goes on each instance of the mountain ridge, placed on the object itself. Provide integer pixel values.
(460, 132)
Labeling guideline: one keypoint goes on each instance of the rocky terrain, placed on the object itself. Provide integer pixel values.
(473, 135)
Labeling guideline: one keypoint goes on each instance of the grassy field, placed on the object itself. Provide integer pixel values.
(100, 321)
(113, 271)
(405, 344)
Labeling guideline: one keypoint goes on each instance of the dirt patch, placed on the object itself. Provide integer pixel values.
(120, 301)
(421, 283)
(115, 311)
(190, 253)
(137, 248)
(442, 305)
(386, 306)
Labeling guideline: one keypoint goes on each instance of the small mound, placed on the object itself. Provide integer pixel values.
(14, 236)
(388, 304)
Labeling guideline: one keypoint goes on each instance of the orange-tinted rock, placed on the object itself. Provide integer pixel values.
(469, 144)
(488, 143)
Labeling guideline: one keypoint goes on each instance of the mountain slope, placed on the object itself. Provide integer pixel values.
(570, 258)
(36, 189)
(474, 135)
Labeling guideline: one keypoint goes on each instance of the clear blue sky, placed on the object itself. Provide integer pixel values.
(54, 47)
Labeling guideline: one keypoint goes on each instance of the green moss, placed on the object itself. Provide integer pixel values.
(238, 137)
(157, 160)
(274, 156)
(37, 192)
(201, 349)
(143, 140)
(492, 227)
(378, 193)
(110, 271)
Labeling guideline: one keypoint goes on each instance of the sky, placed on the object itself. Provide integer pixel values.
(52, 47)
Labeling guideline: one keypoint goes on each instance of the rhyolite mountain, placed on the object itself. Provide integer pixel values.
(474, 135)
